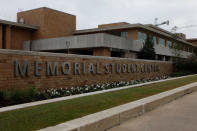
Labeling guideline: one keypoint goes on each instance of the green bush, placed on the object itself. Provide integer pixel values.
(24, 95)
(178, 74)
(18, 96)
(186, 65)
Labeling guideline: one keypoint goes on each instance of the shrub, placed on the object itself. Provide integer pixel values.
(24, 95)
(186, 65)
(178, 74)
(18, 96)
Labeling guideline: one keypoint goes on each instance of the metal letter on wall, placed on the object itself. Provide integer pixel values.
(68, 69)
(118, 68)
(106, 69)
(77, 69)
(51, 71)
(37, 68)
(91, 68)
(124, 68)
(143, 66)
(18, 70)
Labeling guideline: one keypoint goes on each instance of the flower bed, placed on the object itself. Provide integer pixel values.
(54, 93)
(31, 94)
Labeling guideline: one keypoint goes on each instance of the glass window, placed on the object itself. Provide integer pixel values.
(161, 41)
(124, 34)
(190, 49)
(169, 43)
(154, 40)
(142, 36)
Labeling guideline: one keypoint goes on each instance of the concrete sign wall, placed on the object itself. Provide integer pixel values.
(21, 69)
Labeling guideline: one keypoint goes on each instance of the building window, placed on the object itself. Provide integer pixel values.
(169, 43)
(190, 49)
(161, 41)
(142, 36)
(154, 40)
(124, 34)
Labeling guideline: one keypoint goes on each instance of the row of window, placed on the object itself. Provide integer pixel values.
(162, 42)
(121, 34)
(143, 36)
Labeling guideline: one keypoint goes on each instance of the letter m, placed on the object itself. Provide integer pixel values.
(51, 71)
(18, 70)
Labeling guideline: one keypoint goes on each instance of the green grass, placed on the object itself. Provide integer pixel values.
(42, 116)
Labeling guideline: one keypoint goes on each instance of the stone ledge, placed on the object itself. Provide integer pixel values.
(111, 117)
(49, 54)
(26, 105)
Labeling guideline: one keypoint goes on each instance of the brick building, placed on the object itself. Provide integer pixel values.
(48, 30)
(35, 24)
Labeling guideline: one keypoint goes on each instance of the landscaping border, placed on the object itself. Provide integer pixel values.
(111, 117)
(20, 106)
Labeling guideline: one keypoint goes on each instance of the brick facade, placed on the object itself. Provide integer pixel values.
(193, 41)
(101, 52)
(19, 36)
(9, 81)
(133, 34)
(8, 37)
(1, 37)
(112, 24)
(51, 23)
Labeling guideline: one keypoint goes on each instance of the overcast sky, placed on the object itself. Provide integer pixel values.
(90, 13)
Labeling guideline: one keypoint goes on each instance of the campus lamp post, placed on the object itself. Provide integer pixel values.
(67, 45)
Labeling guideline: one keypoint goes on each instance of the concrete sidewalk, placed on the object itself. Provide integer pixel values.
(179, 115)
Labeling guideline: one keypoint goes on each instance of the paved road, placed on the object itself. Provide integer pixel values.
(179, 115)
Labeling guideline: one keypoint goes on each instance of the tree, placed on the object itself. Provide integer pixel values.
(176, 49)
(148, 51)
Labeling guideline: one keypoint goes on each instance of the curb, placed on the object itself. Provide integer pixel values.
(26, 105)
(109, 118)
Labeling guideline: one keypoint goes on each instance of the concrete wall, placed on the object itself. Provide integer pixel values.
(83, 41)
(83, 70)
(94, 41)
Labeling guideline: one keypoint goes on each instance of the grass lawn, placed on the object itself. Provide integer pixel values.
(42, 116)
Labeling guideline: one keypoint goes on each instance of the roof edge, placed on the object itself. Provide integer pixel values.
(19, 24)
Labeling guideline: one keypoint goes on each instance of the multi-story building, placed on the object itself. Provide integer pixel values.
(193, 41)
(49, 30)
